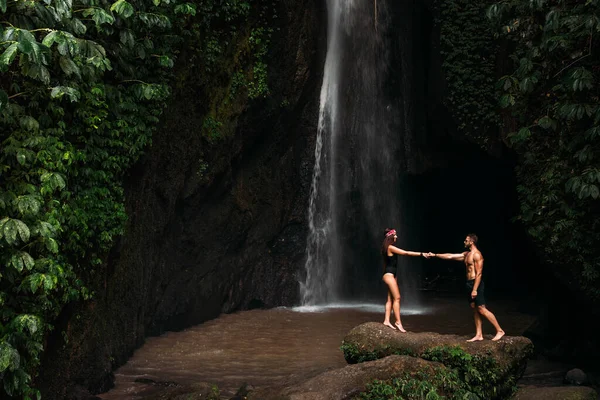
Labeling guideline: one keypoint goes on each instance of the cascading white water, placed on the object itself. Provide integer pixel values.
(319, 285)
(358, 153)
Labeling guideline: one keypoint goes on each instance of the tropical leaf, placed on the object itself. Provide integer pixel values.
(53, 181)
(123, 8)
(28, 322)
(34, 282)
(507, 100)
(50, 38)
(63, 8)
(6, 198)
(22, 156)
(187, 9)
(28, 204)
(165, 61)
(9, 55)
(155, 20)
(69, 67)
(51, 245)
(14, 230)
(59, 91)
(9, 357)
(78, 27)
(28, 123)
(126, 37)
(547, 123)
(50, 281)
(28, 45)
(45, 229)
(99, 16)
(21, 260)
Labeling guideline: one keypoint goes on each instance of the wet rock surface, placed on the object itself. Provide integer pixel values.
(511, 352)
(344, 383)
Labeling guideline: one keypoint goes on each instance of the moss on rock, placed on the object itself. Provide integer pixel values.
(488, 369)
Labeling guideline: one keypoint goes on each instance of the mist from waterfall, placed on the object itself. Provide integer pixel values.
(358, 155)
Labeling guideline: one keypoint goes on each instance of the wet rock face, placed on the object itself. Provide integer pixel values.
(201, 242)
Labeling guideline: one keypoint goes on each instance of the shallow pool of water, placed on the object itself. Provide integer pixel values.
(267, 347)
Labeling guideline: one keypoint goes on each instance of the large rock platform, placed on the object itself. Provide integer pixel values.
(490, 367)
(373, 340)
(345, 383)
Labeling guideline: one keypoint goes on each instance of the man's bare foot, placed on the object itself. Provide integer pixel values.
(498, 336)
(390, 325)
(400, 327)
(475, 339)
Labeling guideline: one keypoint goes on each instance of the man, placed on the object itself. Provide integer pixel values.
(475, 289)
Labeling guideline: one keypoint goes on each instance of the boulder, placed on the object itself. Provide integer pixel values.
(495, 365)
(348, 382)
(576, 376)
(556, 393)
(197, 391)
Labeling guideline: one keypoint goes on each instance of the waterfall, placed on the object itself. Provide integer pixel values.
(359, 155)
(319, 286)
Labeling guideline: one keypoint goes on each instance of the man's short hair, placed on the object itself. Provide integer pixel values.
(473, 237)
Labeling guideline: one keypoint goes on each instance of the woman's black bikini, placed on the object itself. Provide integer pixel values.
(391, 264)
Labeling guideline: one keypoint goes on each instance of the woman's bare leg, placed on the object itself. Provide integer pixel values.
(388, 311)
(395, 294)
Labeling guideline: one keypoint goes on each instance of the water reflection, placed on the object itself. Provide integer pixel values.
(267, 347)
(366, 307)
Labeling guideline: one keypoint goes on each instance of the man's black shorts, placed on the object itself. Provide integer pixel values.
(479, 300)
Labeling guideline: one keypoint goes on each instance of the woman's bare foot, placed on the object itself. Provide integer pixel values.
(400, 327)
(390, 325)
(475, 339)
(498, 336)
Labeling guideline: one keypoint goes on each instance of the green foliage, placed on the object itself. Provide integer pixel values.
(243, 41)
(258, 86)
(479, 374)
(552, 99)
(434, 383)
(354, 355)
(465, 376)
(469, 56)
(83, 85)
(215, 393)
(211, 128)
(73, 120)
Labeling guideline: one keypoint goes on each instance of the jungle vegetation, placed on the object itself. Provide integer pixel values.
(83, 84)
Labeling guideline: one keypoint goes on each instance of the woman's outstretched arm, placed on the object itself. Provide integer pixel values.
(402, 252)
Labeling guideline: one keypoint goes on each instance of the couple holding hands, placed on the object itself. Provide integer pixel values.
(474, 287)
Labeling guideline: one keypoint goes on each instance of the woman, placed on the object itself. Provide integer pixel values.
(390, 261)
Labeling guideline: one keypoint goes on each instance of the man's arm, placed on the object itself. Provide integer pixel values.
(478, 263)
(450, 256)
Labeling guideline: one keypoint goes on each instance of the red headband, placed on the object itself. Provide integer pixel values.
(390, 233)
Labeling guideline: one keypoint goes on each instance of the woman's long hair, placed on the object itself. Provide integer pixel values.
(387, 241)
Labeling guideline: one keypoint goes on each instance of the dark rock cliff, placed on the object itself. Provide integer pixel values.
(199, 245)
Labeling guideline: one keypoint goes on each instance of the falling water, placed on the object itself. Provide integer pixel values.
(359, 153)
(319, 285)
